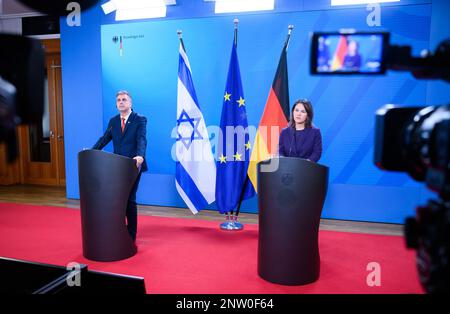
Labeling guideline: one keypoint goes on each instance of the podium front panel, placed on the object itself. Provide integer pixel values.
(105, 181)
(291, 194)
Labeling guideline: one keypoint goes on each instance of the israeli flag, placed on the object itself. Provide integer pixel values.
(195, 176)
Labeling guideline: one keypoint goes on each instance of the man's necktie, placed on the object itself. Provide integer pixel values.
(123, 124)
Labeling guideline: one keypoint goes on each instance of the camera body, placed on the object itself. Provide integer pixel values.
(428, 234)
(414, 140)
(22, 73)
(8, 117)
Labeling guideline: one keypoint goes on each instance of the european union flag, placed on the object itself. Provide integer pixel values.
(234, 145)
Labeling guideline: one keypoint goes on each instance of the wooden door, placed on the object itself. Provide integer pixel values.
(9, 172)
(42, 144)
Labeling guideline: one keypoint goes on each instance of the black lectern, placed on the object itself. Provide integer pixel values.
(291, 194)
(105, 181)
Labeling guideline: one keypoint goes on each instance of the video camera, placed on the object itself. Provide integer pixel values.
(21, 86)
(22, 75)
(415, 140)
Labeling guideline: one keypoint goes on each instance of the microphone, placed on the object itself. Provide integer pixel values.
(290, 146)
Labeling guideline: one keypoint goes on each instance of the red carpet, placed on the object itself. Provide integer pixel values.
(183, 256)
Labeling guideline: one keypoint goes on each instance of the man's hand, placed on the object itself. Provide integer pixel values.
(139, 161)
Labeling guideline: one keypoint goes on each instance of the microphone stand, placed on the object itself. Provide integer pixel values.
(290, 145)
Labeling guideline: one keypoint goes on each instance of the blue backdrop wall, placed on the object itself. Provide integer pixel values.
(94, 69)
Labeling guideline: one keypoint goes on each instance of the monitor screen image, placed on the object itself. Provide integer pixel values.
(348, 53)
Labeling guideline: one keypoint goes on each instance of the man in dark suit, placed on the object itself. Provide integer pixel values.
(128, 131)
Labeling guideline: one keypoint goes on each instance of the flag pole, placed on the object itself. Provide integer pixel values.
(242, 196)
(231, 222)
(288, 39)
(236, 23)
(236, 224)
(180, 36)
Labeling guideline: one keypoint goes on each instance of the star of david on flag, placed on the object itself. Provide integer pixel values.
(187, 129)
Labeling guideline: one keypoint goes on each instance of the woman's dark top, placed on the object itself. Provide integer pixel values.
(306, 143)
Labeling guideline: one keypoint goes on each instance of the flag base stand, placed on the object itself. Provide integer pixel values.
(231, 224)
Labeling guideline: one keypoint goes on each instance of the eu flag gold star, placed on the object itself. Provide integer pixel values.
(248, 146)
(226, 96)
(237, 157)
(223, 159)
(241, 101)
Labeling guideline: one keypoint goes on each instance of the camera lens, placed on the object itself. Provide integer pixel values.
(416, 148)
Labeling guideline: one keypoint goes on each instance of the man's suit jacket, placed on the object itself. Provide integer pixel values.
(132, 142)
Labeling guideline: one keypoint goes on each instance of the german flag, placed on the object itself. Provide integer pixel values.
(275, 117)
(339, 55)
